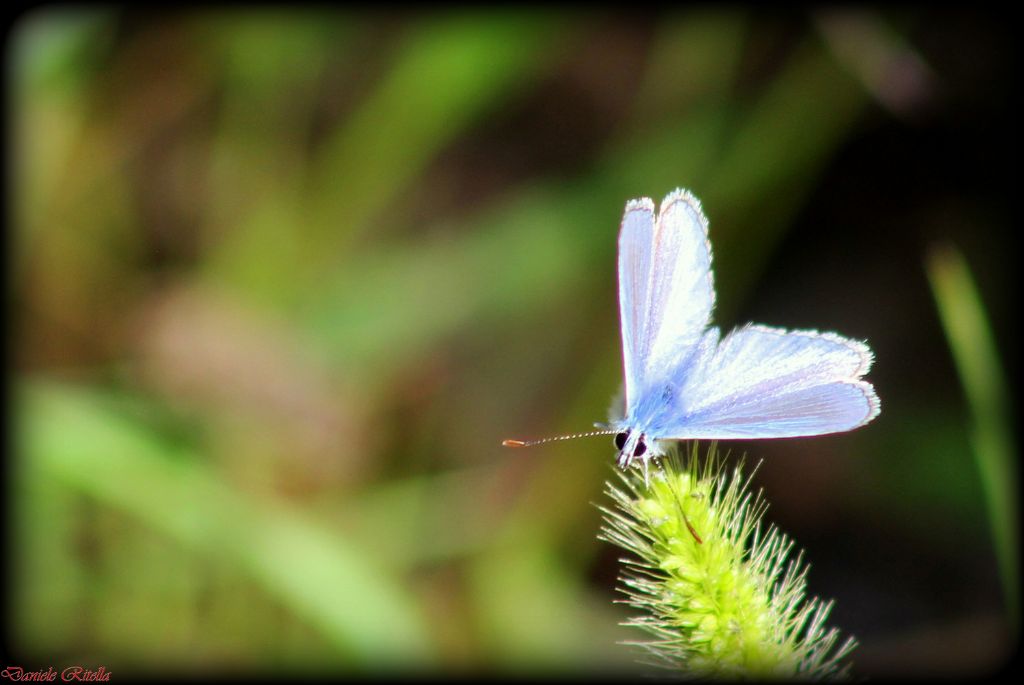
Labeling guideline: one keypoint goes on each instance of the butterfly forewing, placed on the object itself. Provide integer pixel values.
(666, 291)
(635, 240)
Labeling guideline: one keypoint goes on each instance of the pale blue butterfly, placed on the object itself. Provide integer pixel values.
(684, 381)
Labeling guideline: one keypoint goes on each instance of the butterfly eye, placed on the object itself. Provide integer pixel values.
(620, 439)
(641, 447)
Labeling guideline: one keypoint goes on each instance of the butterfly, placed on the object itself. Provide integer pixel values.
(685, 381)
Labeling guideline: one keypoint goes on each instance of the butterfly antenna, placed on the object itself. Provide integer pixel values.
(531, 443)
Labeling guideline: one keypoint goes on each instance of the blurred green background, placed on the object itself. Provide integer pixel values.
(282, 281)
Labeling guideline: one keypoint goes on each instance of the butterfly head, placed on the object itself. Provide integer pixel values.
(631, 445)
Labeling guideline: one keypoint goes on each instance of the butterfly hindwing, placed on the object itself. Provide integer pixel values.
(765, 382)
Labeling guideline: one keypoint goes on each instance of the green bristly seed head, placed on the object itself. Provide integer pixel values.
(715, 590)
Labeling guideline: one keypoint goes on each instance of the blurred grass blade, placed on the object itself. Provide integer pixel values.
(448, 72)
(77, 440)
(880, 57)
(974, 351)
(694, 57)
